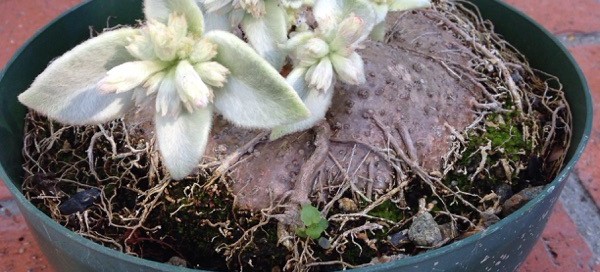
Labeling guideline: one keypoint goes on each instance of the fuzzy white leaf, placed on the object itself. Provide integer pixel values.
(296, 79)
(213, 6)
(161, 9)
(378, 32)
(381, 11)
(318, 103)
(236, 16)
(255, 94)
(328, 13)
(182, 140)
(399, 5)
(66, 91)
(217, 21)
(153, 82)
(256, 108)
(267, 32)
(142, 101)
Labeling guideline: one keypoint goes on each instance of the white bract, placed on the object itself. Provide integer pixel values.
(326, 54)
(264, 22)
(329, 52)
(171, 64)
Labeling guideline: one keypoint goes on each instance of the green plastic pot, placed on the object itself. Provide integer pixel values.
(501, 247)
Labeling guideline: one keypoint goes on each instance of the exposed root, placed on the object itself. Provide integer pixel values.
(224, 166)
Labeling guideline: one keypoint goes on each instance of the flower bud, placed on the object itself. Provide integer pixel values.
(128, 75)
(350, 32)
(141, 47)
(254, 7)
(316, 48)
(167, 99)
(349, 69)
(320, 76)
(193, 92)
(203, 51)
(212, 73)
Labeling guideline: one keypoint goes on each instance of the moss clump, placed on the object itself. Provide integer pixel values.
(506, 147)
(388, 210)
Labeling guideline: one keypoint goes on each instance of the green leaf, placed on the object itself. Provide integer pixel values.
(182, 139)
(67, 90)
(268, 32)
(323, 224)
(314, 232)
(255, 94)
(301, 232)
(310, 215)
(160, 9)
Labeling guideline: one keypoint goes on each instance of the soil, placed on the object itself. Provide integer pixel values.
(451, 131)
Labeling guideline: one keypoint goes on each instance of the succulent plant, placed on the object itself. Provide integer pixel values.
(171, 64)
(327, 53)
(188, 66)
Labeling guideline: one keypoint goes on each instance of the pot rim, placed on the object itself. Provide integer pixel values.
(557, 182)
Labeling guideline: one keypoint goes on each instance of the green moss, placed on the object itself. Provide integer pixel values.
(388, 210)
(504, 133)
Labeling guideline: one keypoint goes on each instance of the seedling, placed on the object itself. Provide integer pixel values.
(314, 223)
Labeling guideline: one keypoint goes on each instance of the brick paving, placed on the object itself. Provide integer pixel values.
(563, 246)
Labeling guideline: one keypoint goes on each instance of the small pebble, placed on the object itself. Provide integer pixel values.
(347, 205)
(398, 238)
(518, 200)
(79, 202)
(424, 231)
(324, 243)
(177, 261)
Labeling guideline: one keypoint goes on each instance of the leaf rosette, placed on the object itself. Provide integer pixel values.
(172, 65)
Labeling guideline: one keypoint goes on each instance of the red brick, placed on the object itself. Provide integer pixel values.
(588, 58)
(561, 247)
(560, 16)
(18, 249)
(20, 19)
